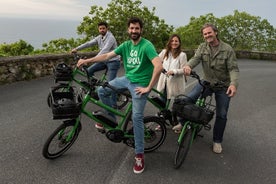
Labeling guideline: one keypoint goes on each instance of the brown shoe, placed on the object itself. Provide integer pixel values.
(177, 128)
(217, 148)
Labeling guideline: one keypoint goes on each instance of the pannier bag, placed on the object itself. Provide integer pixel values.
(64, 105)
(184, 108)
(62, 72)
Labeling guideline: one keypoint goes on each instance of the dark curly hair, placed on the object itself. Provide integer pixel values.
(134, 20)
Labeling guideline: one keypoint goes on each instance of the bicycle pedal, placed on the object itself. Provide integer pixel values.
(199, 135)
(101, 130)
(207, 127)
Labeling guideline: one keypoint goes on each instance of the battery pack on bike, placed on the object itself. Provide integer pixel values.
(105, 118)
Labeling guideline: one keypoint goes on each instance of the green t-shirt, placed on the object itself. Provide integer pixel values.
(137, 60)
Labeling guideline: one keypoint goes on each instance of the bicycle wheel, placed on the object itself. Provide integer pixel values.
(57, 144)
(155, 133)
(59, 88)
(122, 100)
(183, 148)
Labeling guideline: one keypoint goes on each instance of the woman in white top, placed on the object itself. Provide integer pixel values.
(172, 82)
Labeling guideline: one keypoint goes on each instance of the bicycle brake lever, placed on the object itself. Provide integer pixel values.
(194, 75)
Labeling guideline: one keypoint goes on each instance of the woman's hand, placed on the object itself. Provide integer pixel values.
(170, 73)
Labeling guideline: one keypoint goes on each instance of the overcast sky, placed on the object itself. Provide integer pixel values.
(174, 12)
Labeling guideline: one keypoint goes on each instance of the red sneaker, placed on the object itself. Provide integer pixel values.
(99, 126)
(139, 165)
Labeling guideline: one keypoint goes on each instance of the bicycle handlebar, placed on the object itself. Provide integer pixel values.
(196, 76)
(164, 71)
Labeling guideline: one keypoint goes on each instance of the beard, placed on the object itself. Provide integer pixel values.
(211, 39)
(135, 36)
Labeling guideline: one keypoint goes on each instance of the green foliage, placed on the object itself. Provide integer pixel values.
(59, 45)
(190, 34)
(16, 49)
(247, 32)
(117, 14)
(241, 30)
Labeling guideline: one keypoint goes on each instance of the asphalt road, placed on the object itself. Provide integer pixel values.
(248, 148)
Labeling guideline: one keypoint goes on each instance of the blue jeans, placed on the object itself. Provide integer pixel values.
(222, 105)
(138, 106)
(112, 66)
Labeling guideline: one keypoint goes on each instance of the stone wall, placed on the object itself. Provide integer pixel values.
(20, 68)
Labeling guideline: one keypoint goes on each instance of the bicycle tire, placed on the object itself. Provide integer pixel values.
(155, 132)
(62, 146)
(59, 88)
(183, 148)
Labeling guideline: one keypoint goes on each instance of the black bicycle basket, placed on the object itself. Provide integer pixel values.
(183, 107)
(64, 105)
(62, 72)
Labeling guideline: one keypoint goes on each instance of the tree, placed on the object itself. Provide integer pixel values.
(247, 32)
(241, 31)
(59, 45)
(117, 14)
(16, 49)
(190, 34)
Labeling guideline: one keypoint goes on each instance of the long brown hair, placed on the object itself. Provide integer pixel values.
(168, 48)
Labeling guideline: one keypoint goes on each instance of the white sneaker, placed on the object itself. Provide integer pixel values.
(217, 148)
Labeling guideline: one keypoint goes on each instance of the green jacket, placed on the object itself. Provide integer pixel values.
(221, 70)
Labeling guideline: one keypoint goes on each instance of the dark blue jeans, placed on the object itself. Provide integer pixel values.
(112, 66)
(222, 105)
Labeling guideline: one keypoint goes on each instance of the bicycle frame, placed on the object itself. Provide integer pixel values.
(123, 114)
(76, 72)
(157, 105)
(164, 111)
(189, 125)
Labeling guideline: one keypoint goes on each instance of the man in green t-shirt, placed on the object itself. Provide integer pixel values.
(142, 69)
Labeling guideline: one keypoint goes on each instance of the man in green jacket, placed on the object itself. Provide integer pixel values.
(220, 68)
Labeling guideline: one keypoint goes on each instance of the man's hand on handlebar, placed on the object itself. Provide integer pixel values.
(74, 51)
(81, 62)
(187, 70)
